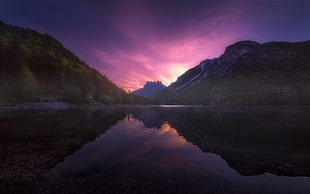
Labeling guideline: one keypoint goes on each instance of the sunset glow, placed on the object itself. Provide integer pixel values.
(132, 42)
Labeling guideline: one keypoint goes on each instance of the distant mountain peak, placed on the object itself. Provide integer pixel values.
(239, 48)
(150, 88)
(154, 84)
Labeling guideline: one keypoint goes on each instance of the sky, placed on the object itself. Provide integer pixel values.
(134, 41)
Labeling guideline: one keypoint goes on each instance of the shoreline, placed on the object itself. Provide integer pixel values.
(64, 105)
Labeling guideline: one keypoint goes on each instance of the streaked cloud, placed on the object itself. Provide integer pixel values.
(135, 41)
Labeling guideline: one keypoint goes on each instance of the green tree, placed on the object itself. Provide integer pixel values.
(73, 95)
(28, 81)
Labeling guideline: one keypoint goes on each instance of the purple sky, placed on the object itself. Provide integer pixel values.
(134, 41)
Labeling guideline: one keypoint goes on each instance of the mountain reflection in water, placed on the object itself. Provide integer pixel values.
(192, 149)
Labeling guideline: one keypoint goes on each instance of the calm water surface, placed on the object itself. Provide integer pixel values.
(190, 150)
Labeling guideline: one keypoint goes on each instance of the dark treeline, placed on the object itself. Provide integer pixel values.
(36, 67)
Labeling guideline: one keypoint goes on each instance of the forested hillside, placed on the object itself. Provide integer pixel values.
(36, 67)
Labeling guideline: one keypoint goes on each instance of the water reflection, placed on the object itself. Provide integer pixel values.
(252, 140)
(151, 151)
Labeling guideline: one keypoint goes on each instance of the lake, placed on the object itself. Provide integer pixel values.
(155, 149)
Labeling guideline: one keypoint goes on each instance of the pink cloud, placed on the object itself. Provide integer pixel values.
(156, 56)
(163, 61)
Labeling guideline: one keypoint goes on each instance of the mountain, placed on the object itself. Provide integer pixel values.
(248, 73)
(36, 67)
(150, 89)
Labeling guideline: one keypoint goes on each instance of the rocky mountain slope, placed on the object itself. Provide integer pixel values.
(150, 89)
(247, 73)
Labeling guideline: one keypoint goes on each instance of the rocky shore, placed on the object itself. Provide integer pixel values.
(34, 140)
